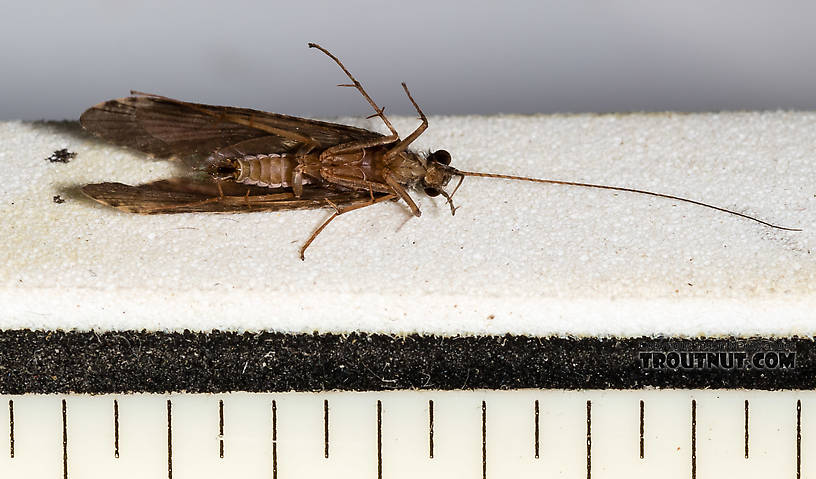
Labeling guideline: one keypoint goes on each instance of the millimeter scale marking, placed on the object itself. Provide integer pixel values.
(221, 429)
(693, 439)
(11, 428)
(484, 440)
(746, 429)
(430, 429)
(326, 428)
(798, 439)
(588, 439)
(274, 439)
(537, 429)
(489, 433)
(116, 428)
(379, 440)
(642, 428)
(324, 404)
(169, 440)
(64, 440)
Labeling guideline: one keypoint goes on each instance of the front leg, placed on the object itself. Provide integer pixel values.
(400, 191)
(413, 136)
(391, 186)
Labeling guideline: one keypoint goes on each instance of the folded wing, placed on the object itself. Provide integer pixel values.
(182, 195)
(167, 128)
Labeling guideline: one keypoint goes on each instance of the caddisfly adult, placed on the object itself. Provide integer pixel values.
(249, 160)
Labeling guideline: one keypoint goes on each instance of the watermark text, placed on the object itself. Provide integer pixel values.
(723, 360)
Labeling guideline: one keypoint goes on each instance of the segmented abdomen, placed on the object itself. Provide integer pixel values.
(266, 170)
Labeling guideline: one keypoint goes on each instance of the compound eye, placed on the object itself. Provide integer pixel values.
(441, 156)
(431, 192)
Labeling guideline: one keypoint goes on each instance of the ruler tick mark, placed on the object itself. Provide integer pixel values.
(430, 429)
(484, 440)
(798, 439)
(589, 439)
(116, 429)
(64, 440)
(169, 440)
(693, 439)
(642, 428)
(536, 434)
(326, 428)
(11, 428)
(221, 428)
(746, 429)
(379, 439)
(274, 439)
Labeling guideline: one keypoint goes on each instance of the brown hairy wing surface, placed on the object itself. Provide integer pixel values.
(167, 128)
(181, 195)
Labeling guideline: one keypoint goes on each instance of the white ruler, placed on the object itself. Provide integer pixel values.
(406, 434)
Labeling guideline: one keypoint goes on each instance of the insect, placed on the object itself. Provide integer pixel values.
(247, 160)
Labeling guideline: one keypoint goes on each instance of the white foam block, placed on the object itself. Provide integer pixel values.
(517, 258)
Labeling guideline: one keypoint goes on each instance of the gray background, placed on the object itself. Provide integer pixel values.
(57, 58)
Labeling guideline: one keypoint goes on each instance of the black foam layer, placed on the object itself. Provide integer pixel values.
(141, 361)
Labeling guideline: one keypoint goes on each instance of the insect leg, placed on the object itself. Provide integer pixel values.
(354, 182)
(297, 181)
(391, 186)
(246, 199)
(338, 212)
(400, 191)
(359, 87)
(413, 136)
(355, 146)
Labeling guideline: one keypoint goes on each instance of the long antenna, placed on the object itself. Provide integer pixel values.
(619, 188)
